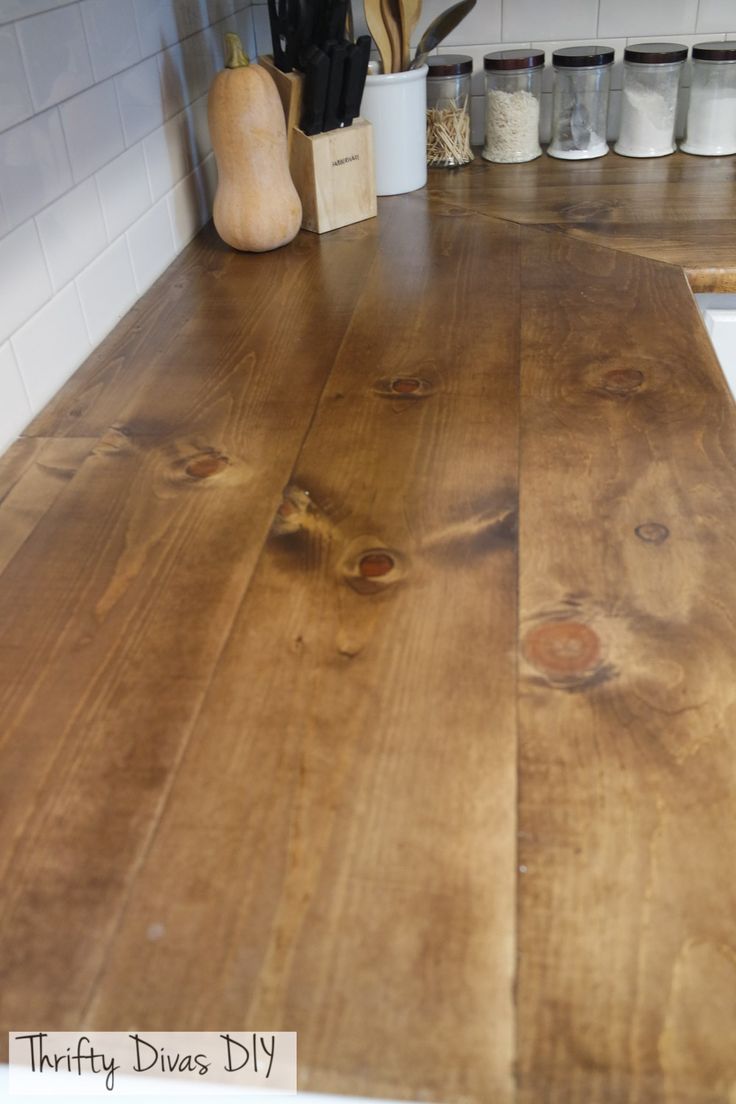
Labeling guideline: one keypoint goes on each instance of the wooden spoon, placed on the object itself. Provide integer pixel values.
(379, 33)
(392, 21)
(410, 11)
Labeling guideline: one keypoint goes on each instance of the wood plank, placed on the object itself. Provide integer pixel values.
(210, 296)
(117, 611)
(644, 207)
(627, 921)
(349, 873)
(33, 472)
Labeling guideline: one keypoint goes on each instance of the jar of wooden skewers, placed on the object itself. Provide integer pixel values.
(448, 110)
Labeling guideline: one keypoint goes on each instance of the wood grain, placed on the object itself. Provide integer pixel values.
(33, 473)
(116, 613)
(350, 872)
(263, 603)
(627, 926)
(670, 208)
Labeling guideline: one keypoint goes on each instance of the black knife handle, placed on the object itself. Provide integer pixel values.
(354, 83)
(337, 53)
(316, 79)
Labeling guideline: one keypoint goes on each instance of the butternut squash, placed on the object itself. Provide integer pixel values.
(256, 204)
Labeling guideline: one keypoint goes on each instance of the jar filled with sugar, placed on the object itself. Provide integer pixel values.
(649, 99)
(711, 117)
(513, 96)
(582, 81)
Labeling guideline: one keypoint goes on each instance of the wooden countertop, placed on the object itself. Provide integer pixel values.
(367, 651)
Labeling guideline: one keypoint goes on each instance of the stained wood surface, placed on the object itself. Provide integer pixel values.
(296, 733)
(627, 925)
(372, 863)
(679, 209)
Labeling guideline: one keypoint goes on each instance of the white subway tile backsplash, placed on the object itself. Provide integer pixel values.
(107, 290)
(93, 130)
(716, 15)
(72, 232)
(51, 346)
(246, 30)
(218, 9)
(141, 100)
(19, 9)
(262, 30)
(188, 206)
(124, 191)
(24, 279)
(161, 23)
(169, 154)
(482, 24)
(55, 54)
(172, 81)
(156, 21)
(15, 409)
(648, 18)
(151, 244)
(538, 19)
(15, 95)
(112, 36)
(199, 129)
(35, 166)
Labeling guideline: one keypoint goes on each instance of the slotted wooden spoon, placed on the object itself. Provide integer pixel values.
(379, 32)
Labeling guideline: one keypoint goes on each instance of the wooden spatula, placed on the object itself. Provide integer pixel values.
(392, 21)
(410, 11)
(379, 33)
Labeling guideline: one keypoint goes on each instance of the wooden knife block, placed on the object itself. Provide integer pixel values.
(333, 172)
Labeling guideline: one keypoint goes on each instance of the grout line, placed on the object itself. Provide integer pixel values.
(16, 362)
(39, 235)
(87, 45)
(43, 11)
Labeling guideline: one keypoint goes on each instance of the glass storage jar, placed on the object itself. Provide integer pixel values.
(513, 96)
(448, 109)
(711, 117)
(649, 99)
(582, 81)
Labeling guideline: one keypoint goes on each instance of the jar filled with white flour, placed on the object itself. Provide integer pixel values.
(513, 96)
(649, 99)
(582, 81)
(711, 117)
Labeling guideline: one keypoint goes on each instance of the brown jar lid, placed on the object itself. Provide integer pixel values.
(715, 51)
(514, 59)
(580, 57)
(449, 65)
(655, 53)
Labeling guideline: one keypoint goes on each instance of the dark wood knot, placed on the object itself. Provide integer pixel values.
(652, 532)
(370, 570)
(563, 649)
(622, 381)
(403, 387)
(206, 465)
(373, 565)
